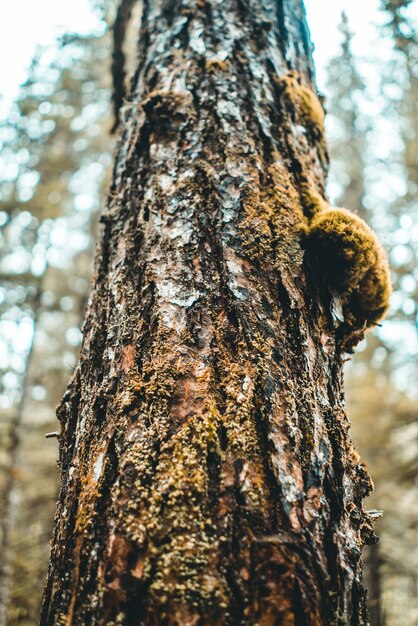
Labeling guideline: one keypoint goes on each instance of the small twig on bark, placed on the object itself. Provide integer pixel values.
(53, 435)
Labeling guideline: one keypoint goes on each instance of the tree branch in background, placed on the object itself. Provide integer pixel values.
(118, 62)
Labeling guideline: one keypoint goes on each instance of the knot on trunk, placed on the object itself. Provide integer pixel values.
(168, 111)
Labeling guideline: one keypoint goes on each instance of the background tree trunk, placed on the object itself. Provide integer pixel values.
(374, 583)
(207, 473)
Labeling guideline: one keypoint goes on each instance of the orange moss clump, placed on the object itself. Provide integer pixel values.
(312, 202)
(304, 102)
(353, 262)
(216, 65)
(305, 109)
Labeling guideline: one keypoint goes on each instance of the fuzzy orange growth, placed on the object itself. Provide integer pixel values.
(216, 65)
(351, 258)
(312, 202)
(304, 102)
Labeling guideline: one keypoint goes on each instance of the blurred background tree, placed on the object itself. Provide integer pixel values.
(55, 154)
(374, 171)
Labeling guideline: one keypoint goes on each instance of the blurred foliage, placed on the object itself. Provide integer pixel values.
(349, 126)
(55, 155)
(373, 126)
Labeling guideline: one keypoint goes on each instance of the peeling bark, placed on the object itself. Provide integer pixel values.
(207, 473)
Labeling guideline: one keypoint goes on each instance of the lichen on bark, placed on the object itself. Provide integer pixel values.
(207, 472)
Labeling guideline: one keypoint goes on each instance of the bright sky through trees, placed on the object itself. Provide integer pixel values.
(25, 23)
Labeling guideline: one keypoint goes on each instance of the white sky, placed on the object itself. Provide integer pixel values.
(25, 23)
(323, 19)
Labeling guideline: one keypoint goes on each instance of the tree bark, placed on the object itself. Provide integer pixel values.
(207, 473)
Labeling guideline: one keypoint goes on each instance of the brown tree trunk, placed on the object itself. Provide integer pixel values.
(9, 498)
(372, 565)
(207, 473)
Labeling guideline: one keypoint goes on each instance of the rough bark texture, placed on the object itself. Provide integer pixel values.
(207, 473)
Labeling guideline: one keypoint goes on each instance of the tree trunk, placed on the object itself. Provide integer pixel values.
(372, 563)
(10, 497)
(207, 473)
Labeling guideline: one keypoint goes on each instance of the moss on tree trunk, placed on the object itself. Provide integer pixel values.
(207, 473)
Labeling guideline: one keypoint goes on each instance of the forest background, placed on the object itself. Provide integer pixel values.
(56, 153)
